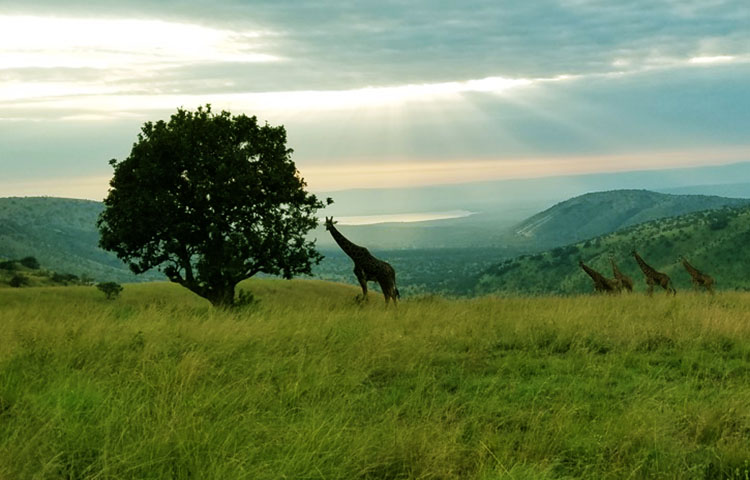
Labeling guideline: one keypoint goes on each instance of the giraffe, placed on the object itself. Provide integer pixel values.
(653, 277)
(699, 278)
(601, 283)
(625, 281)
(366, 267)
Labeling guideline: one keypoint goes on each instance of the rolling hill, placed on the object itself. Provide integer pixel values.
(593, 214)
(714, 241)
(61, 233)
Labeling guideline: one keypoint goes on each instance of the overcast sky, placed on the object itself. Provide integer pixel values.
(386, 93)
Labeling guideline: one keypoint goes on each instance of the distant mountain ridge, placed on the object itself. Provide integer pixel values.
(598, 213)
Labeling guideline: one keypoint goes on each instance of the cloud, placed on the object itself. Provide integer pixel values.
(104, 44)
(377, 82)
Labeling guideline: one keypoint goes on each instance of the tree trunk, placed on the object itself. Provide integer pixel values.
(221, 296)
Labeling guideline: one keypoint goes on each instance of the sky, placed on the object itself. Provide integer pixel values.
(379, 94)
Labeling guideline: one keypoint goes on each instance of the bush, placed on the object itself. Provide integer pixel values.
(718, 223)
(18, 281)
(9, 265)
(29, 262)
(110, 289)
(64, 278)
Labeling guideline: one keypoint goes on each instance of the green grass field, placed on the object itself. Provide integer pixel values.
(310, 385)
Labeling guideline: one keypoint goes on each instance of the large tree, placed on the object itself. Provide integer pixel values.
(210, 200)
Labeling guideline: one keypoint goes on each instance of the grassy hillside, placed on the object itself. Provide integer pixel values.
(15, 274)
(599, 213)
(61, 233)
(157, 384)
(714, 241)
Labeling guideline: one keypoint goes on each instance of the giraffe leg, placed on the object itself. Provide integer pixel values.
(360, 274)
(389, 289)
(386, 291)
(650, 290)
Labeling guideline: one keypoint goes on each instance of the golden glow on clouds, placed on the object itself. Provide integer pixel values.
(402, 217)
(407, 173)
(52, 42)
(369, 174)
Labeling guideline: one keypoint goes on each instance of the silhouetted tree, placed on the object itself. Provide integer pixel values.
(210, 200)
(29, 262)
(110, 289)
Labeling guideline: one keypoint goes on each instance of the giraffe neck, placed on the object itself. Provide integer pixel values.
(615, 270)
(348, 247)
(592, 273)
(690, 268)
(644, 266)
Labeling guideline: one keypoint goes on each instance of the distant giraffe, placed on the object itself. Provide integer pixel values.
(366, 267)
(625, 281)
(601, 283)
(653, 277)
(699, 278)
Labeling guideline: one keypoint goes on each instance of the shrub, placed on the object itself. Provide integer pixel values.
(18, 281)
(110, 289)
(29, 262)
(64, 278)
(9, 265)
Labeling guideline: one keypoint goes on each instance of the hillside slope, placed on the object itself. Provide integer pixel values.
(593, 214)
(61, 233)
(714, 241)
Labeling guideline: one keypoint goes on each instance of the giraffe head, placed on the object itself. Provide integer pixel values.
(329, 223)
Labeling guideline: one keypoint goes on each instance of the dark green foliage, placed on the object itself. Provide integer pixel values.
(18, 281)
(64, 278)
(9, 265)
(210, 200)
(110, 289)
(29, 262)
(718, 222)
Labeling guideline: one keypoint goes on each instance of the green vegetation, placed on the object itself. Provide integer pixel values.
(230, 201)
(308, 384)
(714, 241)
(61, 234)
(111, 290)
(599, 213)
(28, 272)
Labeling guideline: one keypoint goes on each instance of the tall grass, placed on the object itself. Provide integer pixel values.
(310, 384)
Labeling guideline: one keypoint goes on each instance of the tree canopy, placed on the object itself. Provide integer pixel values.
(210, 199)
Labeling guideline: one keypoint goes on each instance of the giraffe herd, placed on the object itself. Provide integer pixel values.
(367, 268)
(652, 276)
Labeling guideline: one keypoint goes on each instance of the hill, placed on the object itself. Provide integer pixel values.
(310, 384)
(28, 273)
(61, 233)
(594, 214)
(714, 241)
